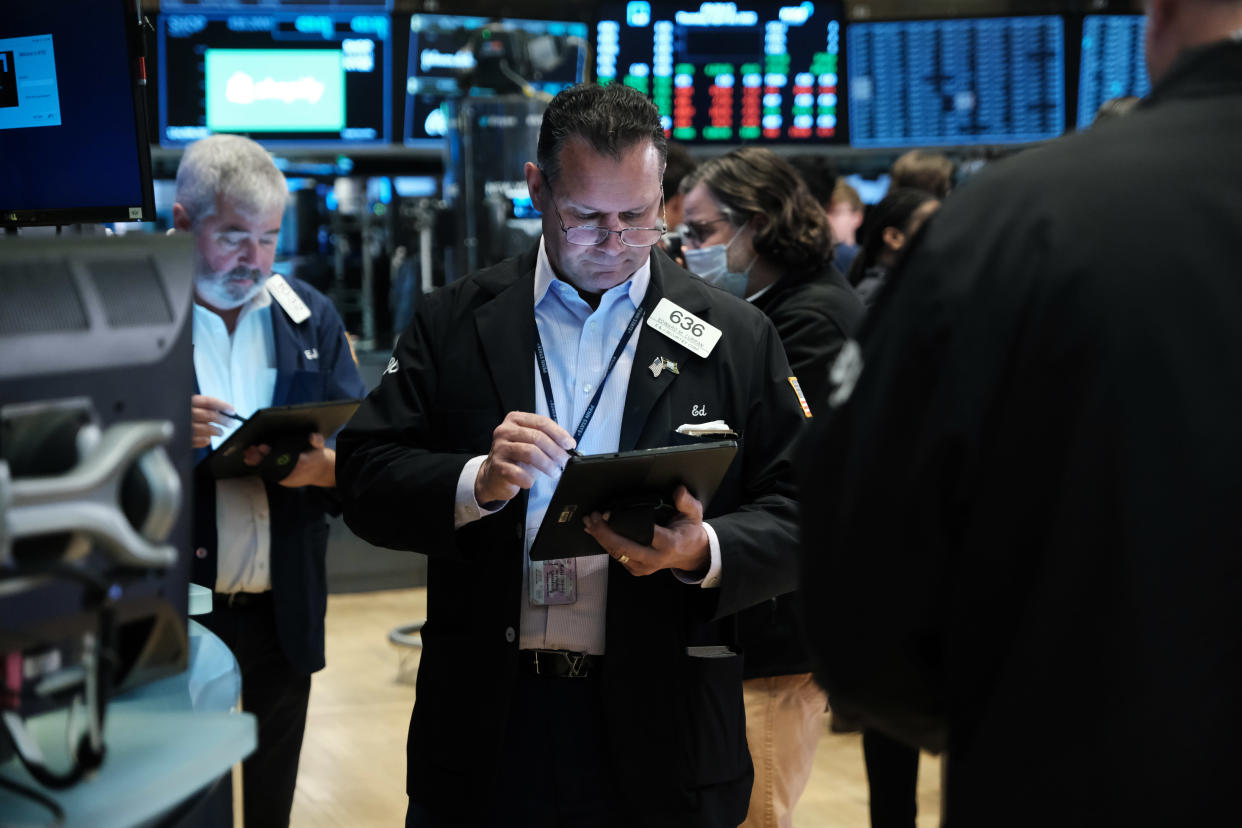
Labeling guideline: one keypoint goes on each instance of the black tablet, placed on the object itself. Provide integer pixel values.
(272, 425)
(602, 482)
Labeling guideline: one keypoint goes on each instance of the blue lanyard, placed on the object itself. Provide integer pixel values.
(599, 391)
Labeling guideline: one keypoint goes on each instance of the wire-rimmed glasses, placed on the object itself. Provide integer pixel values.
(589, 235)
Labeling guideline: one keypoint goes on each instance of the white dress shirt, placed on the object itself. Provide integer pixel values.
(240, 370)
(578, 343)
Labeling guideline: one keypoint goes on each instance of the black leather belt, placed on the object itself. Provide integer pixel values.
(240, 599)
(558, 663)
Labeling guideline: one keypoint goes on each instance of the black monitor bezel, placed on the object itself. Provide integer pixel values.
(294, 147)
(135, 35)
(698, 144)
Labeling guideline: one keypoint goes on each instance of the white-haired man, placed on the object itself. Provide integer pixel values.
(260, 340)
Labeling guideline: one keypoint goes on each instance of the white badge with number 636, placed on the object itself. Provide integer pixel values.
(684, 328)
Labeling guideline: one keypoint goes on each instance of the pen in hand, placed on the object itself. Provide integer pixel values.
(234, 415)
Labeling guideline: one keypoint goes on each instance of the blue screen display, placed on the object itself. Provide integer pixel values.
(68, 133)
(282, 77)
(444, 45)
(1113, 63)
(956, 82)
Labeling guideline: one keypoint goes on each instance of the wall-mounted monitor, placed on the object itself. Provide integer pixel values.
(73, 130)
(282, 77)
(729, 72)
(1113, 63)
(446, 53)
(919, 83)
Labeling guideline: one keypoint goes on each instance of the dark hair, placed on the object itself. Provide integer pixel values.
(922, 170)
(678, 164)
(820, 176)
(894, 210)
(754, 181)
(611, 118)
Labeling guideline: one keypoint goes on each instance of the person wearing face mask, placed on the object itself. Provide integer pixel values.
(754, 230)
(259, 341)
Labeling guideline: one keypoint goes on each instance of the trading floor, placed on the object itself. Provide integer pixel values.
(352, 771)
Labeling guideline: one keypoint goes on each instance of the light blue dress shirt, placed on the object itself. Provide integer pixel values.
(578, 343)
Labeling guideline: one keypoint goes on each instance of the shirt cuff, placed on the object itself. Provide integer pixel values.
(712, 579)
(467, 509)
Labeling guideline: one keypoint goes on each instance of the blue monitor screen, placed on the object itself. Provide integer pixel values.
(281, 77)
(551, 55)
(956, 82)
(1113, 63)
(73, 142)
(725, 72)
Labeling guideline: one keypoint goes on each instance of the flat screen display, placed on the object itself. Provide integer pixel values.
(725, 72)
(280, 77)
(1114, 62)
(956, 82)
(549, 55)
(73, 140)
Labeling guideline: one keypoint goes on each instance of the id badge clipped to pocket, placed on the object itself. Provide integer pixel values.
(553, 582)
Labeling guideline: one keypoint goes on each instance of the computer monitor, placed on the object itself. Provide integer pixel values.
(919, 83)
(284, 77)
(73, 129)
(726, 73)
(96, 372)
(547, 55)
(1113, 62)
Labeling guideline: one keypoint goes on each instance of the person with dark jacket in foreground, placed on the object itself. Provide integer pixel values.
(754, 209)
(1030, 478)
(602, 690)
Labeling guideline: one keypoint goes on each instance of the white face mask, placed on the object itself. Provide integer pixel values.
(711, 264)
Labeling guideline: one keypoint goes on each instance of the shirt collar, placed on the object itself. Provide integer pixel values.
(545, 276)
(759, 293)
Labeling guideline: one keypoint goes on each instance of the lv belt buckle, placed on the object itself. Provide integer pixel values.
(577, 664)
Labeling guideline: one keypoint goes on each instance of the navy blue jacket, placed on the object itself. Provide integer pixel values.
(313, 363)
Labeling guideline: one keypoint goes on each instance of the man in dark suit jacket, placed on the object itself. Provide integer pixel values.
(1031, 481)
(260, 543)
(641, 721)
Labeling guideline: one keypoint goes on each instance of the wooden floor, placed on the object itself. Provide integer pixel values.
(352, 772)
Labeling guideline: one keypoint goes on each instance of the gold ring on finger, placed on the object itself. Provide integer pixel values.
(624, 559)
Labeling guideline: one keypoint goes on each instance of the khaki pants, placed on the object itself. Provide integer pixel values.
(784, 720)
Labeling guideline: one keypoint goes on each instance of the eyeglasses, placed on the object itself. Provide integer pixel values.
(589, 235)
(696, 232)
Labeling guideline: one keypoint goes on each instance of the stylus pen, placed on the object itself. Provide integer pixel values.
(234, 416)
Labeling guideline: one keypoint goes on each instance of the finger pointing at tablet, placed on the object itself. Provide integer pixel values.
(523, 445)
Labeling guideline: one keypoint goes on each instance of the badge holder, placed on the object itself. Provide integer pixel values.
(553, 582)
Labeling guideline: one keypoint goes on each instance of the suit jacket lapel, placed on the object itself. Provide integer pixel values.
(505, 326)
(644, 389)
